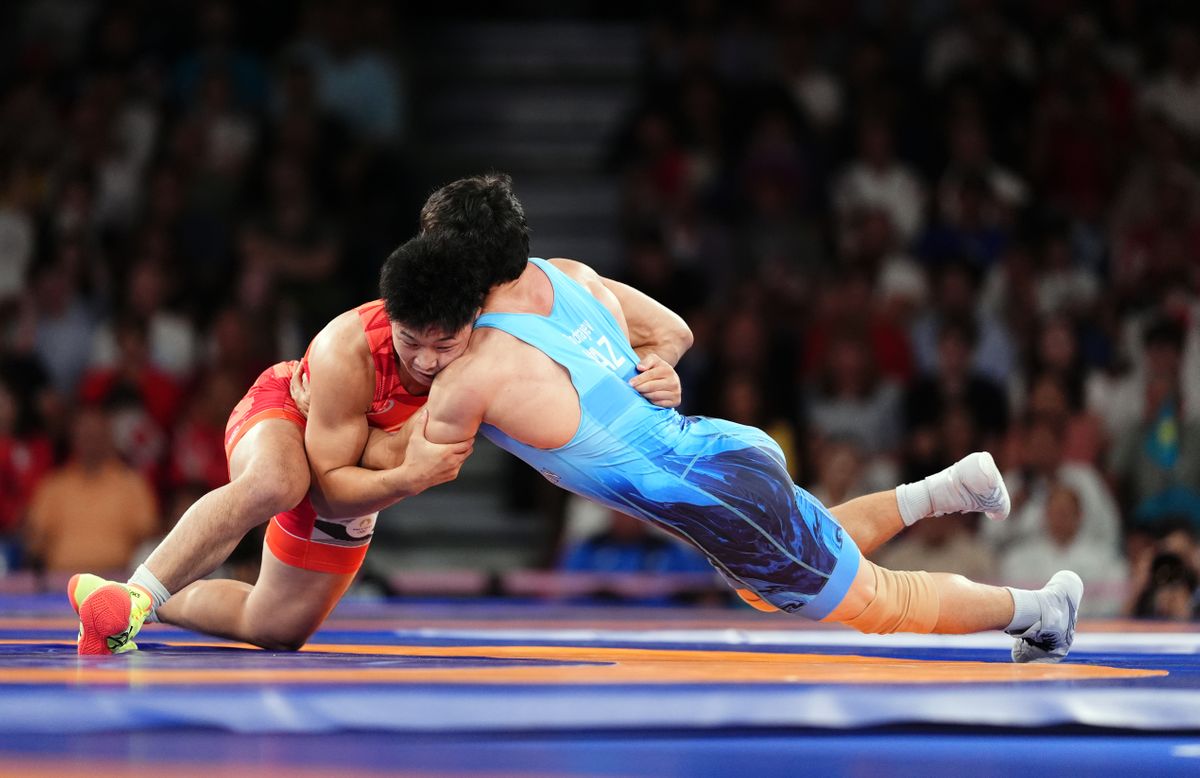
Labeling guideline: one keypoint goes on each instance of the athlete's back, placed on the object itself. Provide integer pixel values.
(560, 399)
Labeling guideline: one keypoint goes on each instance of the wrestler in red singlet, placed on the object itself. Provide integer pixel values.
(299, 537)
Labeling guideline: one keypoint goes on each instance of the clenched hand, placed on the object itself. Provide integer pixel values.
(658, 382)
(429, 464)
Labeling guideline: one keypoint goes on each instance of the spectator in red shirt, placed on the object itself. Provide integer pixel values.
(143, 399)
(24, 459)
(198, 446)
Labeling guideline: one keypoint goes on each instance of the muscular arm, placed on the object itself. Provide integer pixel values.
(457, 402)
(652, 327)
(342, 385)
(383, 449)
(658, 336)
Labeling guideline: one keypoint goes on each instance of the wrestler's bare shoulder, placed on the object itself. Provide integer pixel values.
(576, 270)
(342, 339)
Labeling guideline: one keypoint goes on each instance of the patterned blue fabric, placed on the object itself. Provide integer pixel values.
(721, 486)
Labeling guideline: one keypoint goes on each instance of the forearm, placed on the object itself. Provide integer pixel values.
(653, 327)
(356, 491)
(671, 349)
(385, 450)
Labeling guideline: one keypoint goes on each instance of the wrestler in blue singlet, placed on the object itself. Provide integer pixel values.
(722, 486)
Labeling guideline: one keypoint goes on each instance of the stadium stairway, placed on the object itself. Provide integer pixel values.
(538, 100)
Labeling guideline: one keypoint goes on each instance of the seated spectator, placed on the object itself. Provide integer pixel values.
(243, 343)
(630, 545)
(144, 400)
(850, 400)
(358, 82)
(1170, 591)
(62, 325)
(956, 383)
(1042, 467)
(225, 134)
(1164, 558)
(18, 234)
(1063, 285)
(976, 232)
(838, 463)
(171, 337)
(652, 269)
(946, 544)
(1174, 93)
(1159, 198)
(991, 352)
(1083, 433)
(1058, 543)
(92, 513)
(197, 453)
(296, 246)
(877, 179)
(24, 459)
(133, 375)
(778, 185)
(216, 24)
(970, 156)
(852, 305)
(1156, 459)
(746, 342)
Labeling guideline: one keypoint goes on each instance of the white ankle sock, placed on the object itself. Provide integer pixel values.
(1026, 610)
(158, 593)
(914, 501)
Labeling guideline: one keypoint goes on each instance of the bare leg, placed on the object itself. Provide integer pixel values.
(963, 605)
(871, 520)
(270, 475)
(283, 608)
(967, 606)
(971, 484)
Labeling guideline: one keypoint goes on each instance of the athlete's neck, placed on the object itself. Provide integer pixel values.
(410, 384)
(529, 293)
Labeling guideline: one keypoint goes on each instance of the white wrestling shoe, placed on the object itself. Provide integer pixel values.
(1050, 637)
(972, 484)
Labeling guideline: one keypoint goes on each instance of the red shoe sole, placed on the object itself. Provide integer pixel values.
(105, 612)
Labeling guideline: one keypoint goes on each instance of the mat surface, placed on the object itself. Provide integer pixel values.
(536, 689)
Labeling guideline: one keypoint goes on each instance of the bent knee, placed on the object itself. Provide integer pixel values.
(281, 640)
(899, 601)
(281, 645)
(271, 490)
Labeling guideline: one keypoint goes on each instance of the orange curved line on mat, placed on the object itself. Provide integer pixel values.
(407, 624)
(616, 665)
(734, 620)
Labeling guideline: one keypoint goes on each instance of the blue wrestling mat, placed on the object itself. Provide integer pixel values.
(546, 690)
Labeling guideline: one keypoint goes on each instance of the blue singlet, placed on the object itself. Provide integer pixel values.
(723, 487)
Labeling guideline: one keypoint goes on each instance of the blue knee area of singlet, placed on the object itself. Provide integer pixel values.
(840, 580)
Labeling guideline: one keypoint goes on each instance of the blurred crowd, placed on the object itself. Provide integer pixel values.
(901, 230)
(187, 193)
(904, 231)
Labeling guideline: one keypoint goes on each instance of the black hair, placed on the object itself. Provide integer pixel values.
(961, 327)
(483, 214)
(1166, 570)
(1164, 331)
(132, 323)
(432, 282)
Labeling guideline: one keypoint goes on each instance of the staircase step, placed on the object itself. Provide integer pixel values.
(534, 49)
(538, 100)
